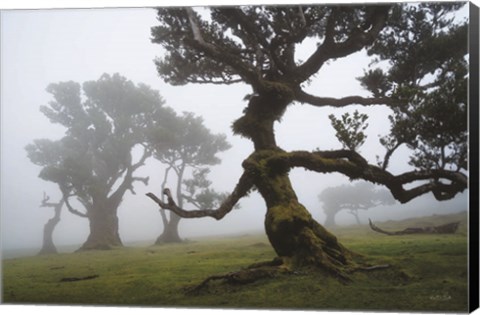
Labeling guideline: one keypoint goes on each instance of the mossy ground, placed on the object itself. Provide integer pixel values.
(428, 273)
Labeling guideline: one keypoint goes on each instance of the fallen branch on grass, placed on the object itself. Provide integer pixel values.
(448, 228)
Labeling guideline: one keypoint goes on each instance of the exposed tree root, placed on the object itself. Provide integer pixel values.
(271, 269)
(244, 276)
(252, 273)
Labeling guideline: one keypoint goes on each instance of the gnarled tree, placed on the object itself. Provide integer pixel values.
(94, 160)
(424, 53)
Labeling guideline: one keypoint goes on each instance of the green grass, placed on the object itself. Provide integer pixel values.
(428, 273)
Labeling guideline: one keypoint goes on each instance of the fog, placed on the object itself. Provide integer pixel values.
(39, 47)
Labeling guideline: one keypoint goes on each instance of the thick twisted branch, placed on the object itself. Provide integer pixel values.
(244, 185)
(355, 166)
(305, 97)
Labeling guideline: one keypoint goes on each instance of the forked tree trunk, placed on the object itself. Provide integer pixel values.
(170, 231)
(103, 223)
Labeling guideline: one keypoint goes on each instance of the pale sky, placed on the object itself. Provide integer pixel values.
(39, 47)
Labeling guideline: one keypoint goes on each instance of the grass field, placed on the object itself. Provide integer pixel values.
(428, 273)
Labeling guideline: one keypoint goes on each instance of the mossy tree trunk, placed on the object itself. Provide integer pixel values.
(295, 236)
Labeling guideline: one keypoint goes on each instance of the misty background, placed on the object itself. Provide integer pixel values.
(39, 47)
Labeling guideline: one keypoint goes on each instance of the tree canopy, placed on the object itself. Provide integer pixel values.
(104, 121)
(424, 49)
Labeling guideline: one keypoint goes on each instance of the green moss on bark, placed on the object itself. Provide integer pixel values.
(295, 236)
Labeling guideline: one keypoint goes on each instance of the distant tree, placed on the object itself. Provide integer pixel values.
(184, 144)
(361, 196)
(422, 50)
(105, 121)
(48, 247)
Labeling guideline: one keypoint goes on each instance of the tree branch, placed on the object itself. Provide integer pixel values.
(144, 180)
(388, 155)
(46, 204)
(197, 35)
(305, 97)
(355, 166)
(222, 81)
(218, 53)
(127, 183)
(72, 210)
(242, 188)
(355, 42)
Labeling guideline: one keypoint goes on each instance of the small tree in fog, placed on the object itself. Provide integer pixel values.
(361, 196)
(48, 247)
(185, 145)
(105, 121)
